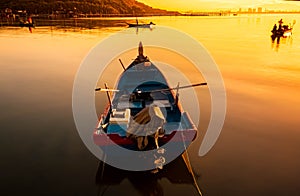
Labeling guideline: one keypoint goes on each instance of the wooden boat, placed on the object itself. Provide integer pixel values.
(287, 32)
(150, 25)
(28, 23)
(144, 113)
(283, 31)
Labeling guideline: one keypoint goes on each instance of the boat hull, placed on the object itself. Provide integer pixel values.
(144, 115)
(27, 25)
(140, 25)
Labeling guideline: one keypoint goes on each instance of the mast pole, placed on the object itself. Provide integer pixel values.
(109, 99)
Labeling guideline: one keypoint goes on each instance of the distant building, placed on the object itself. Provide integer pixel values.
(259, 10)
(250, 10)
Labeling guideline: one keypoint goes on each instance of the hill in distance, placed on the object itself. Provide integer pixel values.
(118, 7)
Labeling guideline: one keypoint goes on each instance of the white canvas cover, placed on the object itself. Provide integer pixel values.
(147, 123)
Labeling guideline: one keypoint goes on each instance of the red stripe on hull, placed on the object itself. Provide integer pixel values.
(106, 140)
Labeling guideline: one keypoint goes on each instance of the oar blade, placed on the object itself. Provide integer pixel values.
(106, 90)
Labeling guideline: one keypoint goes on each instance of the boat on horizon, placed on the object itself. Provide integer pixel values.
(141, 25)
(28, 23)
(144, 114)
(283, 31)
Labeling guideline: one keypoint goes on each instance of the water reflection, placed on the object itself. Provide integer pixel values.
(80, 25)
(137, 29)
(277, 40)
(261, 132)
(110, 180)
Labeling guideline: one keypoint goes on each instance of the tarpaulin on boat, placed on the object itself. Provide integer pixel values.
(147, 123)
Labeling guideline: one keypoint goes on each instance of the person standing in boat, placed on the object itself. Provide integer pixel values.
(280, 28)
(274, 33)
(279, 31)
(274, 30)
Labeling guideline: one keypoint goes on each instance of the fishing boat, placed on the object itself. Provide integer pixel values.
(144, 114)
(28, 23)
(287, 31)
(283, 31)
(149, 25)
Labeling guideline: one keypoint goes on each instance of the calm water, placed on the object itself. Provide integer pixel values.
(257, 152)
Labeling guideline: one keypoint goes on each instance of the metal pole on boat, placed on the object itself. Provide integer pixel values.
(122, 64)
(108, 97)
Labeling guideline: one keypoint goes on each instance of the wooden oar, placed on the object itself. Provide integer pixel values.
(177, 88)
(158, 90)
(106, 90)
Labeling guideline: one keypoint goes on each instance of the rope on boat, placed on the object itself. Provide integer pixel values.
(186, 159)
(102, 192)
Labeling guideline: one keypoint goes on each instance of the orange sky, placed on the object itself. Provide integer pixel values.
(196, 5)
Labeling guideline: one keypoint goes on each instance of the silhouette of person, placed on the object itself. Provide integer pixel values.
(280, 29)
(274, 33)
(274, 29)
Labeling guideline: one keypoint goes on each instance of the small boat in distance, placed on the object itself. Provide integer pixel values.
(283, 31)
(141, 25)
(28, 23)
(144, 114)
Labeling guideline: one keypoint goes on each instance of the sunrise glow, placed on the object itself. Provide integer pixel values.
(198, 5)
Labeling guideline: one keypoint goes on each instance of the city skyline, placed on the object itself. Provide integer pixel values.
(204, 5)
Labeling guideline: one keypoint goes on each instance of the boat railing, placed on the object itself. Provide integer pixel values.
(120, 116)
(118, 122)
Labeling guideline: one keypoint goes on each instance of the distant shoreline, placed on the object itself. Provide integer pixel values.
(95, 21)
